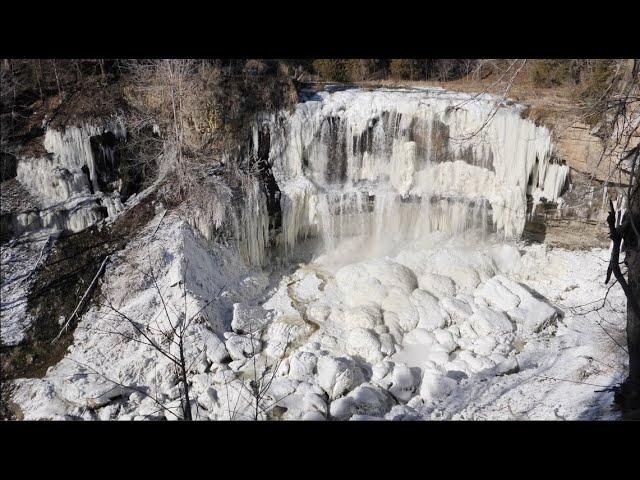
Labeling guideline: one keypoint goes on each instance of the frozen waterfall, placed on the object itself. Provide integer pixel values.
(395, 164)
(69, 182)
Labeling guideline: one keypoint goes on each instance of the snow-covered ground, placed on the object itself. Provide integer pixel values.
(448, 330)
(18, 261)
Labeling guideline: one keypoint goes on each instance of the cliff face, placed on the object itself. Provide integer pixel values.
(579, 221)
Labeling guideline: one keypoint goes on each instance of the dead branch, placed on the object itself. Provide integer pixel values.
(86, 294)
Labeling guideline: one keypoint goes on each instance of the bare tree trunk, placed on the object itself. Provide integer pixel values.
(38, 69)
(629, 395)
(55, 71)
(633, 331)
(78, 70)
(13, 89)
(102, 71)
(185, 385)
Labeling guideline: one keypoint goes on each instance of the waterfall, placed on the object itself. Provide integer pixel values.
(396, 164)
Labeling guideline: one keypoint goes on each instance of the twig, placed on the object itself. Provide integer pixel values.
(86, 293)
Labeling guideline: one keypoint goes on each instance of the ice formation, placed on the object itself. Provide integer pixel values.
(69, 182)
(395, 164)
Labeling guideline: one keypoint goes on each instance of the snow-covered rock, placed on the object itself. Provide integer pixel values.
(438, 285)
(337, 375)
(364, 343)
(248, 319)
(435, 385)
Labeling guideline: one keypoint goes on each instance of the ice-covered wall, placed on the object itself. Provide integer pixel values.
(398, 163)
(68, 182)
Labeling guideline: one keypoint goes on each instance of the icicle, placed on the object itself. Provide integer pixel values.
(400, 164)
(65, 181)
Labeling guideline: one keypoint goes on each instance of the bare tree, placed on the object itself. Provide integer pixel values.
(618, 108)
(168, 337)
(263, 376)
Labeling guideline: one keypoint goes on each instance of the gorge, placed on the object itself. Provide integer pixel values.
(380, 272)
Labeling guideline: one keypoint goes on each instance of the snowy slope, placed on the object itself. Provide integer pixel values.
(441, 332)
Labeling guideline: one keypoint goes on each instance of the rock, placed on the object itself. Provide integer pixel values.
(387, 345)
(318, 313)
(446, 339)
(201, 365)
(108, 412)
(300, 403)
(307, 289)
(404, 383)
(341, 409)
(398, 302)
(365, 344)
(430, 314)
(208, 399)
(465, 278)
(313, 416)
(313, 401)
(200, 382)
(285, 331)
(306, 387)
(393, 325)
(490, 322)
(532, 314)
(337, 375)
(392, 274)
(381, 329)
(236, 365)
(419, 336)
(476, 363)
(148, 408)
(380, 371)
(435, 385)
(136, 397)
(437, 285)
(456, 375)
(365, 418)
(506, 258)
(302, 365)
(222, 375)
(241, 347)
(364, 316)
(504, 365)
(483, 345)
(247, 318)
(173, 410)
(457, 309)
(370, 400)
(99, 394)
(282, 387)
(497, 295)
(402, 413)
(359, 287)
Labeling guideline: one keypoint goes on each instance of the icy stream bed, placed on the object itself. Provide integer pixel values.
(451, 330)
